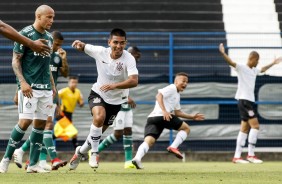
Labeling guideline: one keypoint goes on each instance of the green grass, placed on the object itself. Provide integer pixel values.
(154, 172)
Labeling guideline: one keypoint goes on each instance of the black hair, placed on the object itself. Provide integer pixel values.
(118, 32)
(57, 35)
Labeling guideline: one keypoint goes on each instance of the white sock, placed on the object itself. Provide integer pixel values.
(142, 150)
(241, 141)
(180, 137)
(92, 140)
(253, 136)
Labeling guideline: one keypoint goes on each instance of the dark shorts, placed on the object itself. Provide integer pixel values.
(246, 110)
(156, 125)
(95, 99)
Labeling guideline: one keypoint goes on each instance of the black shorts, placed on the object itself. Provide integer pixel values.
(246, 110)
(95, 99)
(156, 125)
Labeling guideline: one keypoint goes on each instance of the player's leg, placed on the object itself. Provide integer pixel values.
(118, 132)
(153, 130)
(240, 143)
(183, 130)
(19, 153)
(127, 139)
(50, 147)
(41, 114)
(25, 110)
(252, 140)
(98, 112)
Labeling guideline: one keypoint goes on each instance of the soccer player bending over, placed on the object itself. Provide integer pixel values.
(247, 74)
(166, 115)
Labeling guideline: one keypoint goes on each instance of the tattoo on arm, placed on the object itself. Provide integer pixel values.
(16, 64)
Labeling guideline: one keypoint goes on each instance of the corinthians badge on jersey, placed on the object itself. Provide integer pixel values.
(119, 66)
(28, 105)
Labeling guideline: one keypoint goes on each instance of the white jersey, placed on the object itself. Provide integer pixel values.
(246, 82)
(171, 100)
(111, 71)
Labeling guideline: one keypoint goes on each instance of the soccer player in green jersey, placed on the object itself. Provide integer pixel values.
(38, 46)
(36, 87)
(123, 123)
(58, 63)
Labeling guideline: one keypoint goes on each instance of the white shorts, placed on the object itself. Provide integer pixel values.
(123, 119)
(37, 107)
(52, 111)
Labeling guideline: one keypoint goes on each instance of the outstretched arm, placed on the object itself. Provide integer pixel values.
(38, 46)
(225, 56)
(276, 61)
(196, 117)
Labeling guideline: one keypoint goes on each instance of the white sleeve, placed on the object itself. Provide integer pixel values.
(168, 90)
(92, 50)
(131, 66)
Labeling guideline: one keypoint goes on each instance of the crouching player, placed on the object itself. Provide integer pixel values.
(166, 115)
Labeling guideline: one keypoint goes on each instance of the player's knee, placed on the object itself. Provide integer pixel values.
(24, 123)
(185, 127)
(49, 125)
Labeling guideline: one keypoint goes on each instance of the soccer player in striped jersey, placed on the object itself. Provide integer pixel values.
(36, 88)
(123, 123)
(247, 74)
(58, 64)
(117, 73)
(39, 46)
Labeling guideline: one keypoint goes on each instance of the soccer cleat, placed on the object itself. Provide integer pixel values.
(56, 163)
(4, 164)
(26, 164)
(254, 160)
(75, 159)
(94, 160)
(18, 157)
(43, 164)
(137, 163)
(239, 161)
(175, 151)
(129, 165)
(36, 169)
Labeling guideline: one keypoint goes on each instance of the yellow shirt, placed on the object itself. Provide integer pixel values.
(69, 99)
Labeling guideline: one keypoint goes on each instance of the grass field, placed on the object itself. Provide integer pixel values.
(154, 172)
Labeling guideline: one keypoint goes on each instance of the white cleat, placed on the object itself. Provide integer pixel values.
(94, 160)
(75, 159)
(137, 163)
(239, 161)
(18, 157)
(36, 169)
(43, 164)
(4, 165)
(254, 160)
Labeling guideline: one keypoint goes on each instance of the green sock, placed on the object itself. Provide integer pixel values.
(43, 153)
(127, 145)
(16, 136)
(36, 138)
(49, 144)
(26, 145)
(107, 142)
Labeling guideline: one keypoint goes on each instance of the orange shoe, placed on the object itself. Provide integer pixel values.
(56, 163)
(175, 151)
(239, 161)
(26, 164)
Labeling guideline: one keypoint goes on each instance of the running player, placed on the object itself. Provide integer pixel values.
(166, 115)
(117, 73)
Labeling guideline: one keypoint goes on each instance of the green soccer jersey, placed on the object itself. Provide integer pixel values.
(35, 68)
(55, 64)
